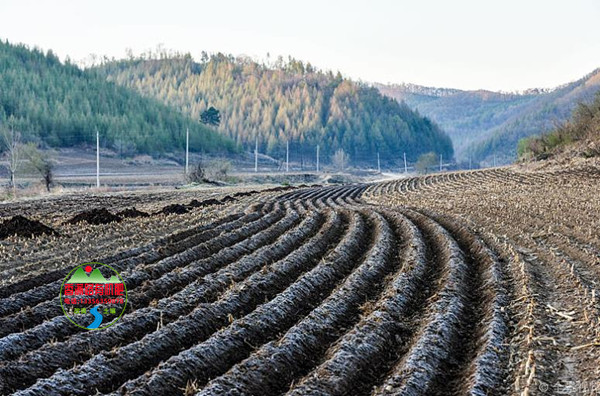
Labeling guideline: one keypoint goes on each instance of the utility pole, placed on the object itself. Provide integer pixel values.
(97, 159)
(317, 158)
(287, 155)
(378, 164)
(440, 162)
(187, 149)
(405, 167)
(256, 155)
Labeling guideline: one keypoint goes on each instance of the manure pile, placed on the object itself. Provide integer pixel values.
(374, 289)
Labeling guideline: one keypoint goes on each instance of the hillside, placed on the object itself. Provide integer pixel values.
(287, 101)
(61, 105)
(579, 137)
(482, 123)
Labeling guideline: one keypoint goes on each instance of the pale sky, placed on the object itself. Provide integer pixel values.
(469, 44)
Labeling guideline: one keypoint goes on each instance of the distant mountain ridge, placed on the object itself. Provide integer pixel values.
(484, 124)
(414, 89)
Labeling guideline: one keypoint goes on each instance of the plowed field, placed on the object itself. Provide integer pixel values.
(481, 282)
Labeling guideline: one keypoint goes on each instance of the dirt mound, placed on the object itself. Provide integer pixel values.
(194, 203)
(174, 209)
(228, 198)
(277, 189)
(132, 212)
(22, 226)
(245, 193)
(95, 216)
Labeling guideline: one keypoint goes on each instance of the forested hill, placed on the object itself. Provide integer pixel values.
(483, 123)
(285, 101)
(61, 105)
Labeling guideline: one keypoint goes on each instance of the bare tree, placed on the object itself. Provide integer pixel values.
(209, 172)
(11, 140)
(41, 162)
(425, 162)
(197, 174)
(340, 159)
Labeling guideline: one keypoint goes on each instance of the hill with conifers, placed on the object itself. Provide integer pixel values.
(283, 102)
(484, 124)
(58, 104)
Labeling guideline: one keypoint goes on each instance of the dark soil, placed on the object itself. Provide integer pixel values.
(174, 209)
(194, 203)
(228, 198)
(95, 216)
(132, 212)
(22, 226)
(277, 189)
(245, 193)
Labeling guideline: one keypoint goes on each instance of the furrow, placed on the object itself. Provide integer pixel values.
(277, 364)
(44, 362)
(431, 358)
(358, 358)
(232, 344)
(136, 274)
(108, 370)
(15, 344)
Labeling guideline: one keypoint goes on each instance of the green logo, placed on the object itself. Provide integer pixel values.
(93, 296)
